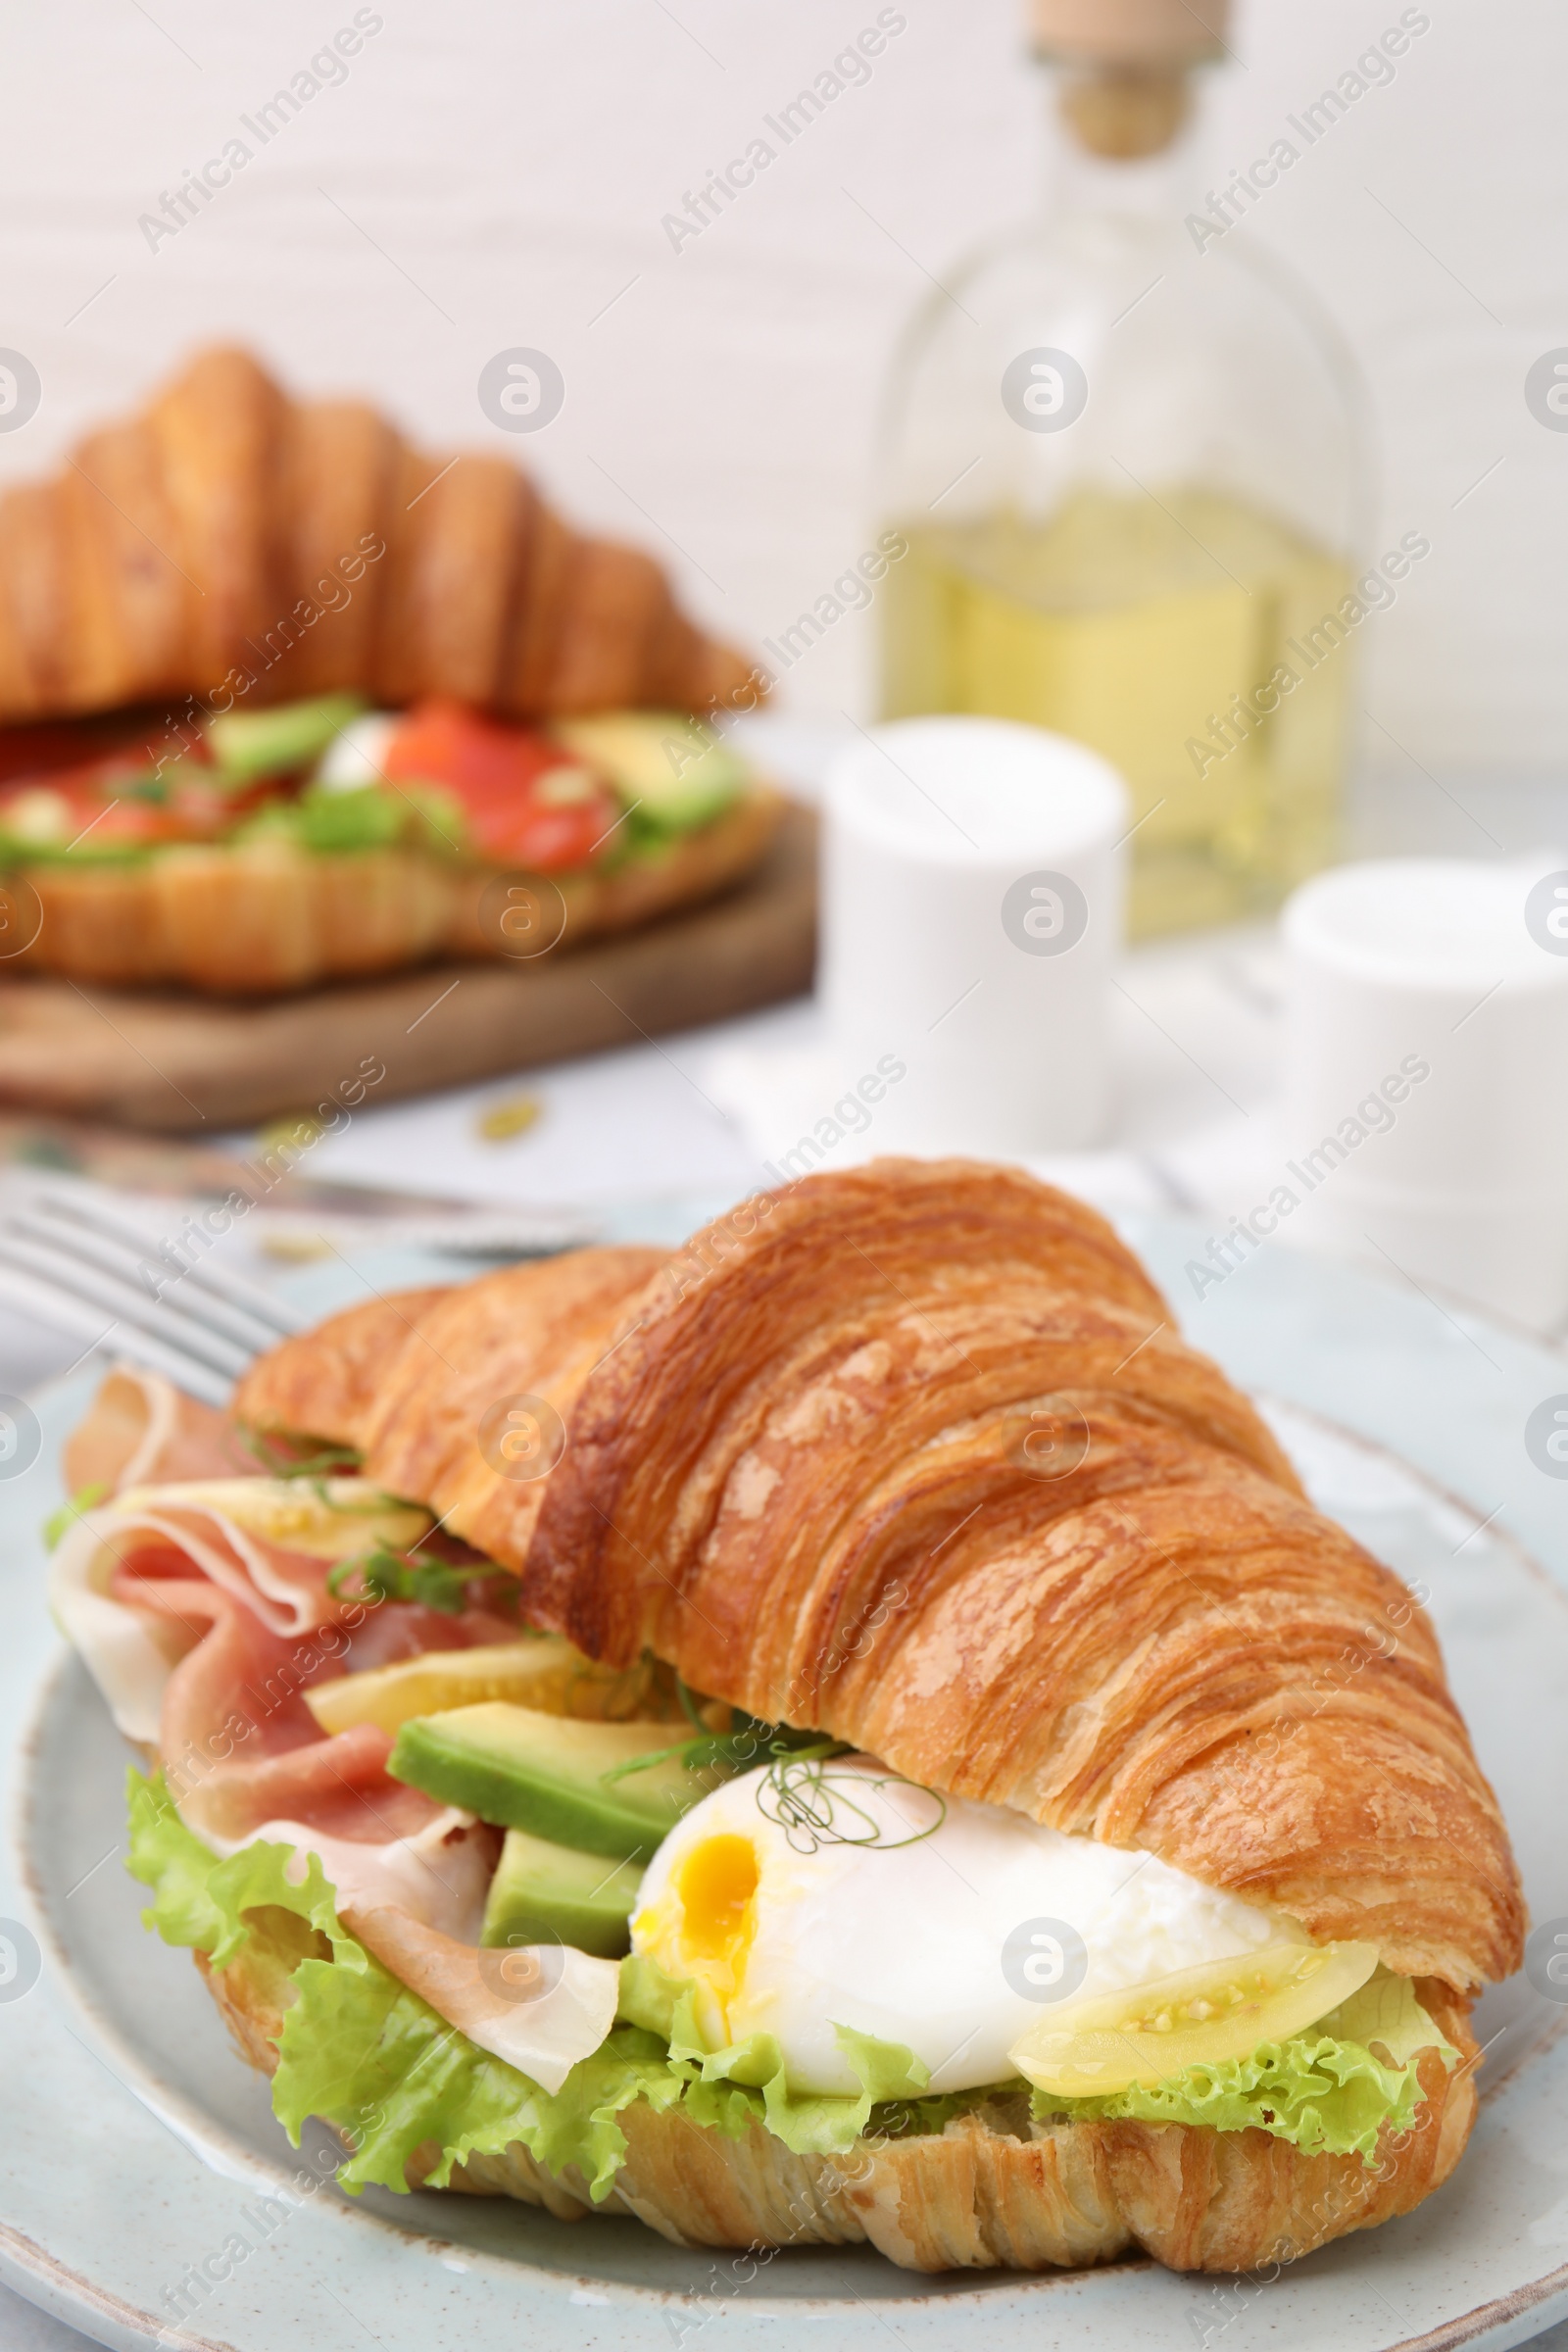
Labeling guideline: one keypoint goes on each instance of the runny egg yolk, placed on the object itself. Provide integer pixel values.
(710, 1936)
(717, 1884)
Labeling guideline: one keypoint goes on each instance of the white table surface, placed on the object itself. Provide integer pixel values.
(692, 1119)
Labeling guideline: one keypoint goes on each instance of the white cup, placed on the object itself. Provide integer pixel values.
(973, 911)
(1427, 1077)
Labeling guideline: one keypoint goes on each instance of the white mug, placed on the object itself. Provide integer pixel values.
(972, 912)
(1427, 1076)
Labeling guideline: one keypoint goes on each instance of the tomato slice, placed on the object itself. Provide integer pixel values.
(1089, 2047)
(526, 801)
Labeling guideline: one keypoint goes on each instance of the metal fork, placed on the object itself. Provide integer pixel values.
(72, 1260)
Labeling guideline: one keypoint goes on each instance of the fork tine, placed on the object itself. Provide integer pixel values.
(279, 1321)
(46, 1262)
(75, 1240)
(84, 1207)
(64, 1312)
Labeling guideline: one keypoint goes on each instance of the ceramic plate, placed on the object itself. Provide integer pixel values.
(136, 2145)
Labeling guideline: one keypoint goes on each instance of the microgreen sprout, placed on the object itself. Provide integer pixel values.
(276, 1461)
(747, 1741)
(814, 1807)
(421, 1578)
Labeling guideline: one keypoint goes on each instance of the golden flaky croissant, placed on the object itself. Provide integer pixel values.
(941, 1399)
(231, 540)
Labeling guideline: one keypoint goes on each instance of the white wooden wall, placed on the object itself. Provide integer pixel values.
(488, 174)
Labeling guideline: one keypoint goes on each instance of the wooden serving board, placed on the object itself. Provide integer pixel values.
(174, 1064)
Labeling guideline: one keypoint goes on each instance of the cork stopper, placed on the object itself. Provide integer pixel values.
(1125, 113)
(1124, 91)
(1130, 32)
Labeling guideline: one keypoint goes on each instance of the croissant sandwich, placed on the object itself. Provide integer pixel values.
(210, 620)
(850, 1732)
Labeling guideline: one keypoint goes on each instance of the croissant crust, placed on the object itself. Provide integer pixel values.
(915, 1454)
(229, 540)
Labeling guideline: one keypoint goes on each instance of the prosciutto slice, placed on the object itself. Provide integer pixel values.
(541, 2007)
(436, 1877)
(204, 1633)
(140, 1429)
(131, 1640)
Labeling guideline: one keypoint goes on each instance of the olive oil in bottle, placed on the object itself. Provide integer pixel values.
(1125, 466)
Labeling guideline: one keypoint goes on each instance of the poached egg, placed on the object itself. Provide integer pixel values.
(806, 1895)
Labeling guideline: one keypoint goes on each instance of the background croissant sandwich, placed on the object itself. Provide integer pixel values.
(209, 622)
(929, 1685)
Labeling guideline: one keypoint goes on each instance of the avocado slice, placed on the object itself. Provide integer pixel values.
(546, 1893)
(248, 744)
(673, 770)
(549, 1775)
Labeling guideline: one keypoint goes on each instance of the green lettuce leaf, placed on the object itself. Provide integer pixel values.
(1386, 2014)
(362, 2051)
(746, 2081)
(167, 1857)
(1325, 2090)
(365, 816)
(370, 2058)
(18, 851)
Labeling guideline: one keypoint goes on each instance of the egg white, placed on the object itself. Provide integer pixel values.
(355, 755)
(902, 1939)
